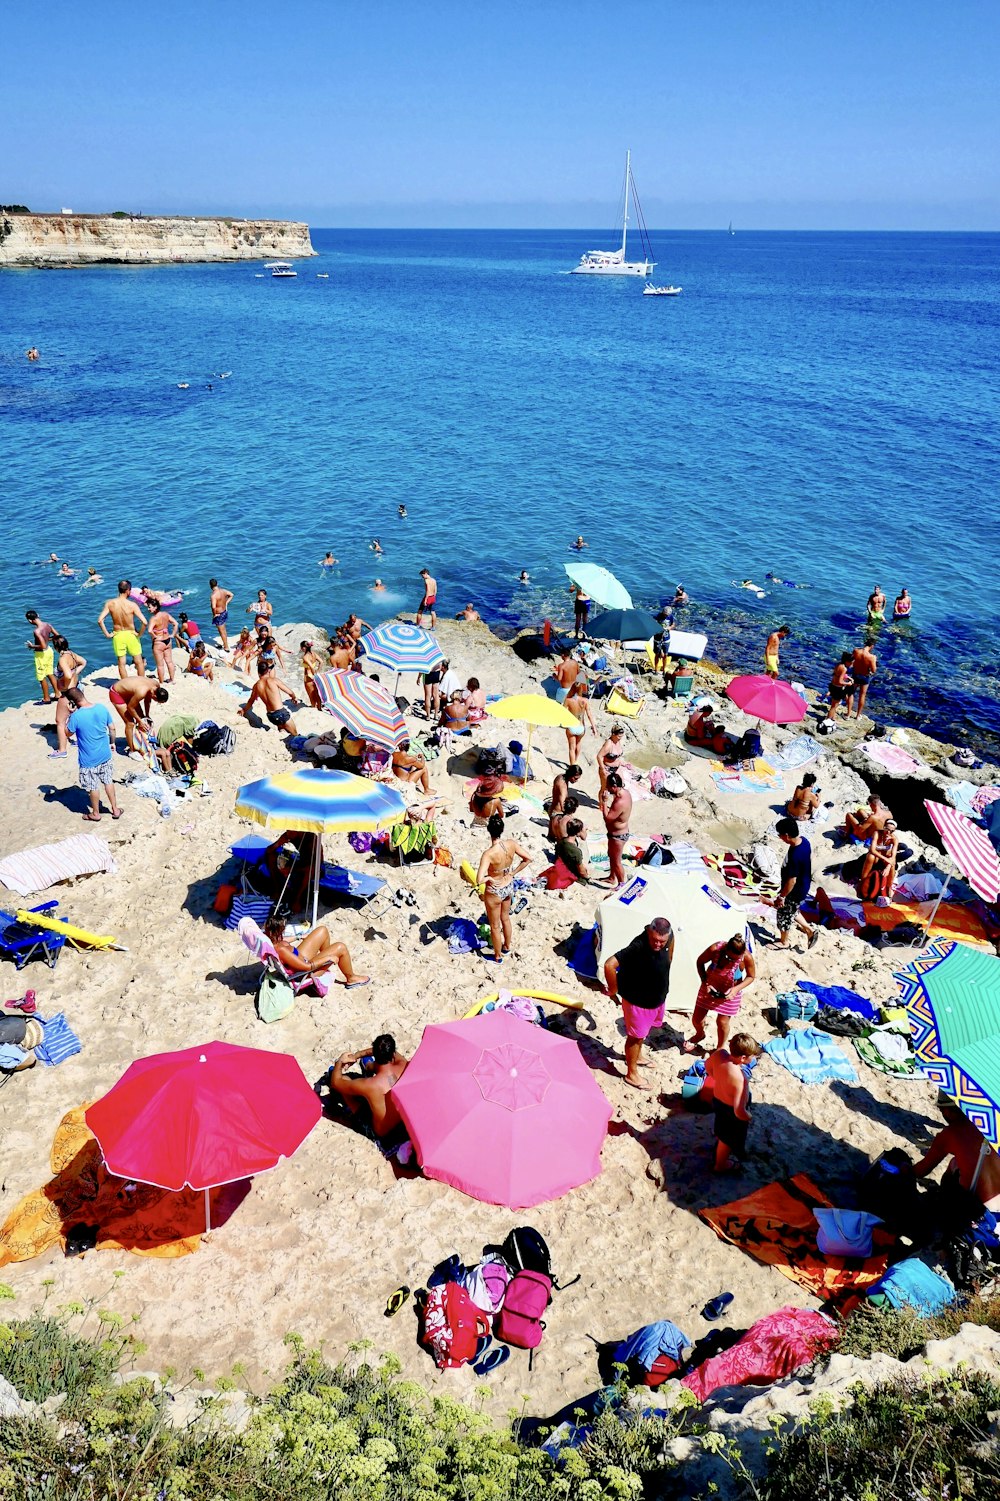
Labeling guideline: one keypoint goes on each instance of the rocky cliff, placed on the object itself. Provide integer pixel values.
(90, 239)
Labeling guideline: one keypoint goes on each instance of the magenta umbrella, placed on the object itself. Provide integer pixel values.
(767, 698)
(503, 1110)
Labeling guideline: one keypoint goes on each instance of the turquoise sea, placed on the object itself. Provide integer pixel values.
(823, 407)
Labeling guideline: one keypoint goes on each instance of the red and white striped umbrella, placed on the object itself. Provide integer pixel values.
(367, 709)
(970, 848)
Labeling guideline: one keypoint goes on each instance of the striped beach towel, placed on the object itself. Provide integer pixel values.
(59, 1043)
(812, 1057)
(37, 869)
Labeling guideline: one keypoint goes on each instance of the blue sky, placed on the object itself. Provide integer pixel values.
(774, 113)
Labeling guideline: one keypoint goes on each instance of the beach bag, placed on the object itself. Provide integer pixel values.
(748, 747)
(655, 854)
(360, 843)
(274, 998)
(224, 898)
(845, 1232)
(520, 1321)
(496, 1279)
(257, 907)
(662, 1368)
(183, 759)
(215, 740)
(765, 862)
(453, 1326)
(525, 1250)
(796, 1006)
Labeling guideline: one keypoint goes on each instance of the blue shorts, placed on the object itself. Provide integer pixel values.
(221, 618)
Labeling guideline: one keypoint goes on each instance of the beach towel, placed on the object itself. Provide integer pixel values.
(757, 776)
(798, 752)
(651, 1341)
(888, 1051)
(811, 1056)
(982, 798)
(149, 1221)
(686, 856)
(777, 1226)
(583, 960)
(892, 757)
(632, 782)
(840, 997)
(962, 795)
(952, 920)
(738, 874)
(46, 865)
(913, 1284)
(59, 1043)
(777, 1345)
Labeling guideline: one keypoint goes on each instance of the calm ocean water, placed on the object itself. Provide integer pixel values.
(821, 406)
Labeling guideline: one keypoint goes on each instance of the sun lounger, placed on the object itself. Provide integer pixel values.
(23, 939)
(619, 707)
(264, 952)
(337, 880)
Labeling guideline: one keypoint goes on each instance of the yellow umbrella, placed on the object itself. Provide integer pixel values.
(533, 709)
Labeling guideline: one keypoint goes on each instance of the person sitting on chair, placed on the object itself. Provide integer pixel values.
(315, 954)
(409, 766)
(381, 1069)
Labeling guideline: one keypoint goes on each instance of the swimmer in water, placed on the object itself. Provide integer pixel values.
(376, 547)
(903, 604)
(378, 587)
(66, 572)
(329, 561)
(402, 512)
(680, 597)
(523, 577)
(578, 545)
(93, 577)
(183, 385)
(31, 354)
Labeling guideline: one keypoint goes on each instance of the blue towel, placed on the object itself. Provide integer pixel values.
(59, 1043)
(463, 936)
(912, 1284)
(842, 998)
(661, 1338)
(811, 1056)
(11, 1056)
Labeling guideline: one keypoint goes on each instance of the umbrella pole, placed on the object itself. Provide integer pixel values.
(930, 921)
(527, 759)
(208, 1214)
(317, 871)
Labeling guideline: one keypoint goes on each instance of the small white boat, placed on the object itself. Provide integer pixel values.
(322, 276)
(614, 262)
(662, 291)
(280, 268)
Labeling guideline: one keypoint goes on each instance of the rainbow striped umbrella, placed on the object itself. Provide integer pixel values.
(316, 801)
(367, 709)
(401, 647)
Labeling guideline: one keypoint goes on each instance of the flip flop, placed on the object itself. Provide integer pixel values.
(717, 1306)
(355, 984)
(91, 818)
(491, 1360)
(57, 755)
(396, 1301)
(482, 1345)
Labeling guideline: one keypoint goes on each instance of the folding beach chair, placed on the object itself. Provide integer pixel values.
(620, 707)
(23, 940)
(263, 950)
(337, 880)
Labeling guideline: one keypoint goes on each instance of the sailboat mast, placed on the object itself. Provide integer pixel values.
(628, 179)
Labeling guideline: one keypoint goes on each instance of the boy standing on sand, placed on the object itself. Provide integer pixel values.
(729, 1087)
(221, 599)
(429, 602)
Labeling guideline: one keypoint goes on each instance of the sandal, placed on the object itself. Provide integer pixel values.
(396, 1301)
(91, 818)
(491, 1360)
(717, 1306)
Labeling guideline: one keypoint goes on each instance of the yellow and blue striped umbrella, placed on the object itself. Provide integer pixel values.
(316, 801)
(367, 709)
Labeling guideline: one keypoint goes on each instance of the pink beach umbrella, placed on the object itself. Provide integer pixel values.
(767, 698)
(503, 1110)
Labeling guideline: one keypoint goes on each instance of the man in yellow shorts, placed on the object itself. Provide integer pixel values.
(129, 623)
(40, 644)
(772, 650)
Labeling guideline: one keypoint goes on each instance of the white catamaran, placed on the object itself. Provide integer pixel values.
(613, 262)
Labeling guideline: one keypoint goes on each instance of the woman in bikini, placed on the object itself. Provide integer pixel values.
(311, 664)
(475, 697)
(162, 633)
(69, 666)
(578, 704)
(878, 874)
(727, 971)
(610, 754)
(261, 610)
(496, 875)
(244, 651)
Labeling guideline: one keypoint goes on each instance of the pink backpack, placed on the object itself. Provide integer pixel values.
(452, 1325)
(520, 1321)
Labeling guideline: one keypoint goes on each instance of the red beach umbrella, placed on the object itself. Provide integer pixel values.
(204, 1116)
(767, 698)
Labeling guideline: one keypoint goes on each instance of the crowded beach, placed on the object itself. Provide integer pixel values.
(458, 935)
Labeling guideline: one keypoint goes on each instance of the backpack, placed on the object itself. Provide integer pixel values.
(520, 1321)
(748, 747)
(275, 997)
(215, 740)
(452, 1326)
(183, 759)
(525, 1250)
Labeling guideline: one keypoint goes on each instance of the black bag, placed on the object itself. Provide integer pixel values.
(183, 759)
(841, 1023)
(215, 740)
(890, 1190)
(525, 1250)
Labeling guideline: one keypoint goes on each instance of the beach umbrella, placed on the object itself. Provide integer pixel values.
(952, 994)
(624, 625)
(401, 647)
(503, 1110)
(600, 584)
(767, 698)
(204, 1116)
(970, 847)
(313, 800)
(367, 709)
(533, 709)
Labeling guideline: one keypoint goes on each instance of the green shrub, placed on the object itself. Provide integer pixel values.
(901, 1333)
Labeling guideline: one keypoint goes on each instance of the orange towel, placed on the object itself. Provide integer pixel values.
(150, 1221)
(953, 920)
(776, 1225)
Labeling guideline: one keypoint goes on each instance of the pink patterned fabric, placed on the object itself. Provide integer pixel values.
(777, 1345)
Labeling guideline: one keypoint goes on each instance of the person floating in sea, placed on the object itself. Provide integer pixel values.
(221, 599)
(402, 513)
(772, 650)
(524, 577)
(578, 545)
(328, 561)
(428, 605)
(903, 604)
(864, 665)
(31, 354)
(378, 587)
(93, 577)
(376, 547)
(66, 572)
(129, 623)
(681, 597)
(876, 605)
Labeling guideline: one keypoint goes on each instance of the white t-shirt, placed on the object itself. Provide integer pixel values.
(450, 683)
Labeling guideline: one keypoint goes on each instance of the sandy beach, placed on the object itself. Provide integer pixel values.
(317, 1245)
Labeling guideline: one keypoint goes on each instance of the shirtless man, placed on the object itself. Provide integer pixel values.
(271, 691)
(729, 1089)
(772, 650)
(616, 806)
(469, 613)
(862, 826)
(341, 655)
(560, 788)
(700, 726)
(974, 1163)
(41, 646)
(131, 697)
(804, 801)
(429, 602)
(876, 604)
(129, 623)
(375, 1087)
(411, 767)
(610, 754)
(314, 954)
(864, 665)
(221, 599)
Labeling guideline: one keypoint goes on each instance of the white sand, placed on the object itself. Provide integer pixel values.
(318, 1244)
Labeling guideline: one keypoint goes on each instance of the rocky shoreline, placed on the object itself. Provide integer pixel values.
(50, 241)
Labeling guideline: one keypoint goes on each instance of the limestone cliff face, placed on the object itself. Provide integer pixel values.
(89, 239)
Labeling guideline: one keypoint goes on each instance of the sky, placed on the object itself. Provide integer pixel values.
(808, 114)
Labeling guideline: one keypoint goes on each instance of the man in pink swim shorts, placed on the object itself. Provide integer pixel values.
(639, 978)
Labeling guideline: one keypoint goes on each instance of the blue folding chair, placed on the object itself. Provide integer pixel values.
(337, 880)
(23, 942)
